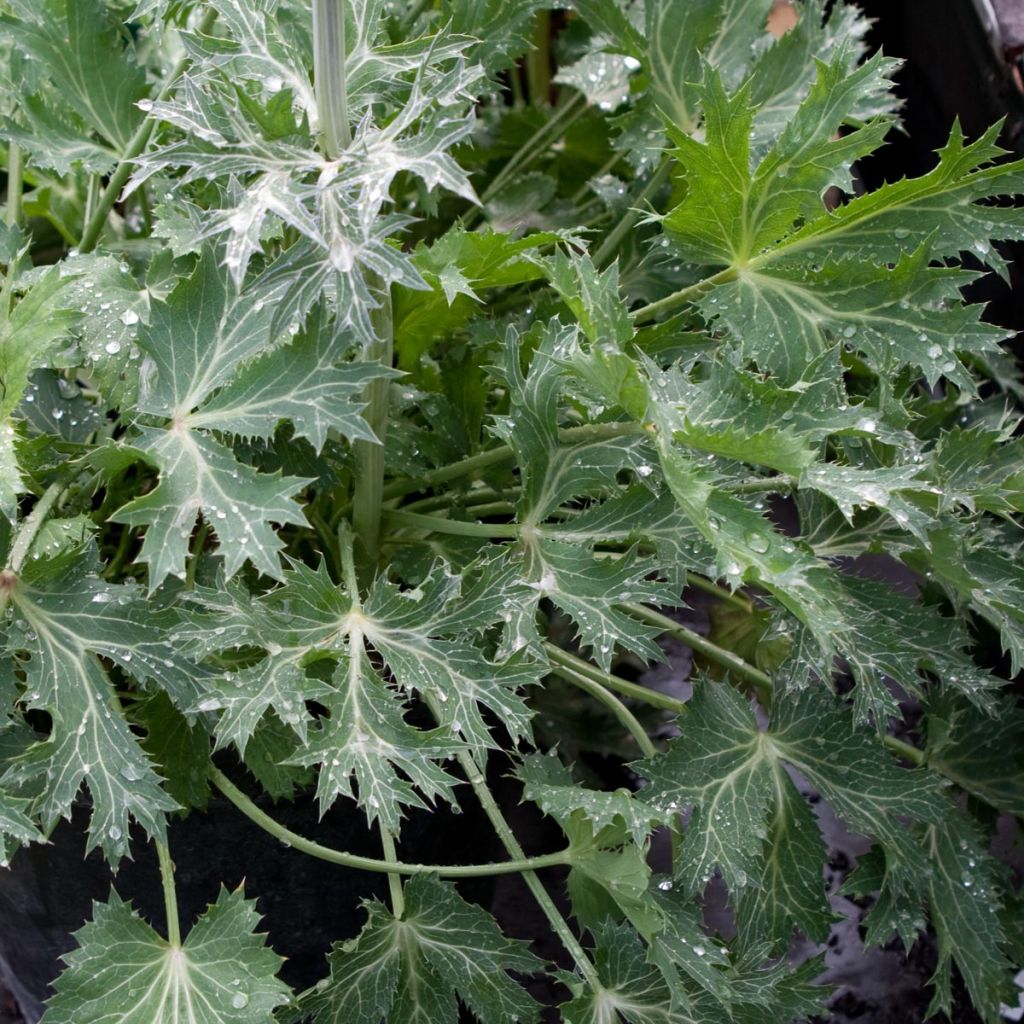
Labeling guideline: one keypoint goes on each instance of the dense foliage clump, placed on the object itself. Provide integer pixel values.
(367, 387)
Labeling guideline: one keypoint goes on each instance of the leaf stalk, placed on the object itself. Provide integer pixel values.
(136, 146)
(380, 867)
(170, 894)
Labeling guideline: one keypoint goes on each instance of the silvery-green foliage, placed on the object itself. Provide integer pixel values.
(672, 351)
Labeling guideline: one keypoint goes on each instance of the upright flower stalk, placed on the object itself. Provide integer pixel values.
(329, 75)
(329, 51)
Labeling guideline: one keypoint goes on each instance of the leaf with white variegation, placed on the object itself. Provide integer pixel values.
(123, 970)
(66, 620)
(416, 969)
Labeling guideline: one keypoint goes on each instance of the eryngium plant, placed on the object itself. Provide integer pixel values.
(355, 407)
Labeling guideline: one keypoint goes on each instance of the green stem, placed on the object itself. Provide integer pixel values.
(92, 197)
(477, 497)
(382, 867)
(534, 145)
(202, 535)
(611, 244)
(538, 62)
(329, 76)
(416, 13)
(32, 524)
(387, 841)
(727, 659)
(117, 563)
(15, 184)
(606, 679)
(454, 527)
(368, 500)
(136, 145)
(684, 296)
(348, 564)
(905, 750)
(495, 456)
(603, 694)
(724, 595)
(762, 485)
(476, 779)
(170, 894)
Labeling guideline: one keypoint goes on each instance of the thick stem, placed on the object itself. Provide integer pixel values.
(329, 78)
(368, 501)
(15, 184)
(170, 894)
(387, 841)
(604, 695)
(380, 867)
(136, 145)
(454, 527)
(723, 595)
(538, 61)
(641, 693)
(905, 750)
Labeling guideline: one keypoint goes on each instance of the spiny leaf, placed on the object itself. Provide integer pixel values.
(65, 619)
(412, 969)
(732, 774)
(981, 753)
(87, 82)
(222, 974)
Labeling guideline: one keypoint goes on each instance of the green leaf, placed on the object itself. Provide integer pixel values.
(199, 475)
(731, 213)
(205, 338)
(986, 580)
(680, 36)
(413, 969)
(748, 821)
(788, 891)
(16, 827)
(631, 989)
(965, 904)
(222, 974)
(85, 80)
(725, 770)
(365, 749)
(66, 620)
(501, 30)
(27, 338)
(300, 383)
(981, 753)
(550, 785)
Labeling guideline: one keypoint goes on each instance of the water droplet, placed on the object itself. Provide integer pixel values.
(757, 541)
(239, 1000)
